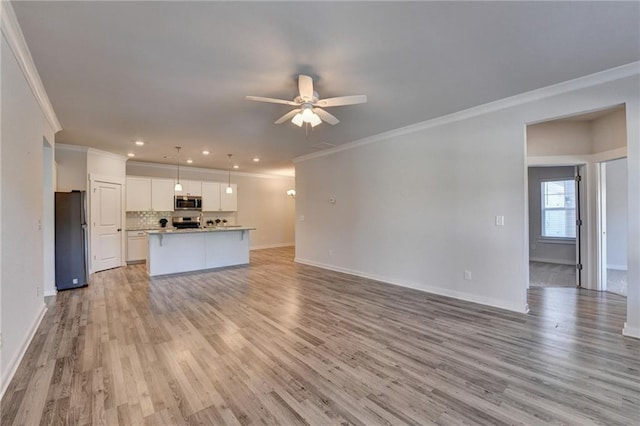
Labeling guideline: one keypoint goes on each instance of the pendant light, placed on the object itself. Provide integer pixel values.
(178, 186)
(229, 189)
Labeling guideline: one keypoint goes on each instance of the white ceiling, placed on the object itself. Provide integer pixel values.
(176, 73)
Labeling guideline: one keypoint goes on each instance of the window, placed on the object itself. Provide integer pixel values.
(559, 209)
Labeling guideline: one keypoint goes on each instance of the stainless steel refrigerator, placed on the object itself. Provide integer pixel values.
(71, 240)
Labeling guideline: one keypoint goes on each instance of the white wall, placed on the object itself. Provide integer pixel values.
(559, 138)
(262, 200)
(609, 132)
(539, 250)
(616, 188)
(106, 164)
(22, 273)
(416, 207)
(72, 168)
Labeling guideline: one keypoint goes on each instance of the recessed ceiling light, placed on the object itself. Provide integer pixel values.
(256, 159)
(139, 143)
(189, 161)
(131, 154)
(235, 166)
(205, 152)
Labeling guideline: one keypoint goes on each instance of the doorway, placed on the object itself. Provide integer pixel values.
(554, 231)
(612, 212)
(106, 225)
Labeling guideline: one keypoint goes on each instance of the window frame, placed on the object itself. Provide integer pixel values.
(549, 239)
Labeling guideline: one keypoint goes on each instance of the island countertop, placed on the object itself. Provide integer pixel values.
(197, 230)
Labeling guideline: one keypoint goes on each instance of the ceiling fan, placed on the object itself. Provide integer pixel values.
(308, 104)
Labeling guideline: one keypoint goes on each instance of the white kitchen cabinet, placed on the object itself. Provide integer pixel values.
(215, 197)
(138, 194)
(136, 246)
(228, 202)
(162, 195)
(210, 196)
(190, 187)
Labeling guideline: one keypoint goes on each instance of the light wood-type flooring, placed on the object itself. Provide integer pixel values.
(282, 343)
(542, 274)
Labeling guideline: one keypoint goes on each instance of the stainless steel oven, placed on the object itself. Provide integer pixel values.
(187, 202)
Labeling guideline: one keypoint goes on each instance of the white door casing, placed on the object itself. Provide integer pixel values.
(106, 225)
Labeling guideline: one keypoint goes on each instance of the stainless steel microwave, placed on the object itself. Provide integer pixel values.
(187, 202)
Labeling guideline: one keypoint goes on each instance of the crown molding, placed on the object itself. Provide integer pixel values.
(107, 154)
(624, 71)
(205, 170)
(15, 39)
(88, 150)
(76, 148)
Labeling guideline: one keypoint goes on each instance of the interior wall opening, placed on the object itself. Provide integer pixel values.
(581, 141)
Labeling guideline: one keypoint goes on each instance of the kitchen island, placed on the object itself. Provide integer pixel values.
(172, 251)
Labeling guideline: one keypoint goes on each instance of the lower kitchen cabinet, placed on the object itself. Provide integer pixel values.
(136, 246)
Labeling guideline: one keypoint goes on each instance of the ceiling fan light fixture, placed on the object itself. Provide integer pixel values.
(307, 114)
(308, 105)
(297, 120)
(315, 120)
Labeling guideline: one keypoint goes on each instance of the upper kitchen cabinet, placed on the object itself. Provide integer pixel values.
(145, 194)
(210, 196)
(215, 197)
(138, 194)
(190, 187)
(162, 195)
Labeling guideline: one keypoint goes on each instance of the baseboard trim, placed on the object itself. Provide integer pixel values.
(555, 261)
(15, 362)
(487, 301)
(268, 246)
(631, 331)
(48, 293)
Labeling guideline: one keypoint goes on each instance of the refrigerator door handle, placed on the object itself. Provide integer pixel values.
(85, 237)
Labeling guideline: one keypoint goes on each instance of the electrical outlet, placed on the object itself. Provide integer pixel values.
(533, 246)
(467, 275)
(37, 291)
(499, 220)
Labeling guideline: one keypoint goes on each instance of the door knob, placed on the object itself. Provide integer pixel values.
(119, 229)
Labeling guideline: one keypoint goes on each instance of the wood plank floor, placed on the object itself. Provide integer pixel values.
(281, 343)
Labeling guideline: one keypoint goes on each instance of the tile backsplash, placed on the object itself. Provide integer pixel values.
(151, 219)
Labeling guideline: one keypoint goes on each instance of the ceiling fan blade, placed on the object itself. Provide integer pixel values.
(272, 100)
(329, 118)
(287, 116)
(305, 86)
(342, 100)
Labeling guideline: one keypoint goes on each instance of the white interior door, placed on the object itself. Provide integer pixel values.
(106, 221)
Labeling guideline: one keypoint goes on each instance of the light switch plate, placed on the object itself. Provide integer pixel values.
(499, 220)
